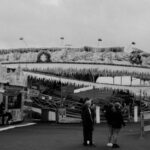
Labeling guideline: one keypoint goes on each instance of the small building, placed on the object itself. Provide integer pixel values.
(12, 91)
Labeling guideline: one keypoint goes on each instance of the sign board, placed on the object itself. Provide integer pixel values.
(51, 116)
(33, 93)
(61, 114)
(146, 116)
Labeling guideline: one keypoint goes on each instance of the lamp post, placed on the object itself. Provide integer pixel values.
(22, 39)
(99, 40)
(133, 43)
(130, 46)
(140, 92)
(62, 41)
(98, 44)
(141, 115)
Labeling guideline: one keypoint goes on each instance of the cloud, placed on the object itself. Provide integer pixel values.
(50, 2)
(81, 22)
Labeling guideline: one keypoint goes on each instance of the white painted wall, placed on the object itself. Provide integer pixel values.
(126, 80)
(51, 116)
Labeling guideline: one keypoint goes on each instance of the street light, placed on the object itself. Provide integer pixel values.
(62, 41)
(22, 39)
(130, 46)
(133, 43)
(99, 40)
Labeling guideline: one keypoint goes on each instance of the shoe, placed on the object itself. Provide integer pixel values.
(115, 146)
(109, 144)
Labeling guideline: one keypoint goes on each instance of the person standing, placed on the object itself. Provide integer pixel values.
(2, 108)
(117, 123)
(93, 114)
(87, 122)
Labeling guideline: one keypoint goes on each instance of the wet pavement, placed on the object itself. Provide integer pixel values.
(50, 136)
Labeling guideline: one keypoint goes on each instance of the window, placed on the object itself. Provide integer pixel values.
(14, 101)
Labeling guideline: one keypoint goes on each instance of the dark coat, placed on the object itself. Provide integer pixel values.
(108, 114)
(93, 114)
(2, 108)
(87, 120)
(117, 119)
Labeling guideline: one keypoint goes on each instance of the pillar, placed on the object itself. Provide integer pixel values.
(97, 114)
(135, 113)
(121, 80)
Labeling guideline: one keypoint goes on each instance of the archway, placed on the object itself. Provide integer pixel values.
(43, 57)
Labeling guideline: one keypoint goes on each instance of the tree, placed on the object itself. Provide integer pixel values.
(135, 59)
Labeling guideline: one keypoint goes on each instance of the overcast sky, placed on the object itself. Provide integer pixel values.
(80, 22)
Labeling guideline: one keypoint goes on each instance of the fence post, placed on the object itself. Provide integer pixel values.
(142, 124)
(57, 115)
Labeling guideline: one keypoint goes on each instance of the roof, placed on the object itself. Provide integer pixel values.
(12, 92)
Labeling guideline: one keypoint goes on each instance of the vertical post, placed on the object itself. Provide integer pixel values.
(22, 102)
(22, 39)
(113, 80)
(140, 81)
(121, 80)
(140, 101)
(57, 115)
(129, 116)
(60, 89)
(141, 115)
(131, 79)
(29, 106)
(135, 113)
(31, 112)
(62, 41)
(97, 114)
(99, 40)
(6, 103)
(93, 92)
(142, 124)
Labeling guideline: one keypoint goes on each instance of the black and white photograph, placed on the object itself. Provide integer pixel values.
(74, 74)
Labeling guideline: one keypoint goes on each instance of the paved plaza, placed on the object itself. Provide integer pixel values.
(48, 136)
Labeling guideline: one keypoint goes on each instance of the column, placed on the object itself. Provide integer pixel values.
(135, 113)
(97, 114)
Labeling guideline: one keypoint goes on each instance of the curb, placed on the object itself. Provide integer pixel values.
(16, 126)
